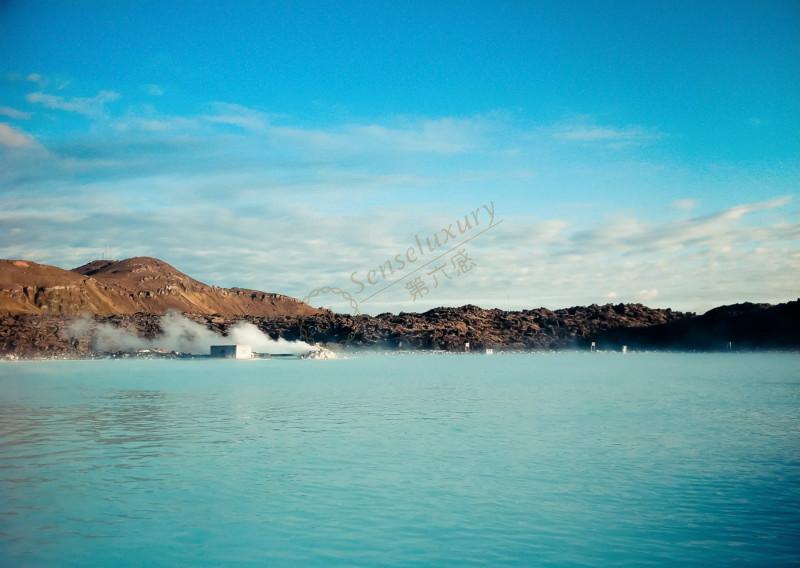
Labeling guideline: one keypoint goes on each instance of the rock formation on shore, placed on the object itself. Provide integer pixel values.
(742, 326)
(39, 305)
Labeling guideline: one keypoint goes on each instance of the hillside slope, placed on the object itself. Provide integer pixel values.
(135, 285)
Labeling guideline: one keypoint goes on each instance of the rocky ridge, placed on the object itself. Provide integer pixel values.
(39, 303)
(135, 285)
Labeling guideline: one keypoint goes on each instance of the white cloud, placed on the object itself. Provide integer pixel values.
(407, 135)
(40, 80)
(742, 210)
(53, 216)
(549, 231)
(301, 207)
(684, 204)
(436, 136)
(14, 113)
(14, 138)
(87, 106)
(282, 244)
(628, 234)
(155, 124)
(237, 115)
(647, 295)
(36, 78)
(603, 134)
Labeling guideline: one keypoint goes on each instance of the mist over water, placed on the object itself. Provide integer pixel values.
(180, 334)
(546, 459)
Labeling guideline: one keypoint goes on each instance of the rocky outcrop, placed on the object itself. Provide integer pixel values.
(450, 328)
(441, 328)
(136, 285)
(738, 327)
(39, 303)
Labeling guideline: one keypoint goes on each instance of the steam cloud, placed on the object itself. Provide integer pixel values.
(181, 334)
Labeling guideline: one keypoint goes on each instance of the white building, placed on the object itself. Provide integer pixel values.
(232, 351)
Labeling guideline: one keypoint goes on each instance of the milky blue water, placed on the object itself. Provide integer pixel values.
(547, 459)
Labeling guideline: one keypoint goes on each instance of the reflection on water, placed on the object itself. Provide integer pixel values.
(549, 459)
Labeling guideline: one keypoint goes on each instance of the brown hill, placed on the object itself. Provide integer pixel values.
(135, 285)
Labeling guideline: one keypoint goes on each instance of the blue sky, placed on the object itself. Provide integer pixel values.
(635, 151)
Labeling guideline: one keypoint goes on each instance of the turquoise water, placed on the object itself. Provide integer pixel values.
(559, 459)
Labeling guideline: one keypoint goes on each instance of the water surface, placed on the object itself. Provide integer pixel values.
(560, 459)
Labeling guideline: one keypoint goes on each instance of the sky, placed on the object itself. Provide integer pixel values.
(627, 151)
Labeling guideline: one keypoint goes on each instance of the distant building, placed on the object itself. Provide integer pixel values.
(232, 351)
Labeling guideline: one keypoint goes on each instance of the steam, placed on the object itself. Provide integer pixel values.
(180, 334)
(245, 333)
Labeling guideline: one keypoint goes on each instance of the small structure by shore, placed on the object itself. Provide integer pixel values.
(231, 352)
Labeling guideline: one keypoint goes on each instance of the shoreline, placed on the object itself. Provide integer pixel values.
(422, 352)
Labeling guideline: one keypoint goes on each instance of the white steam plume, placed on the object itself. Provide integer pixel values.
(181, 334)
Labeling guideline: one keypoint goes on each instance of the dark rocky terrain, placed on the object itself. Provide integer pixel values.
(748, 326)
(740, 326)
(39, 304)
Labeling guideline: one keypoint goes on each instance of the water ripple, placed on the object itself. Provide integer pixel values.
(546, 460)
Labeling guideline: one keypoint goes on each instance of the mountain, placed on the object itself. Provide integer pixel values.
(39, 305)
(135, 285)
